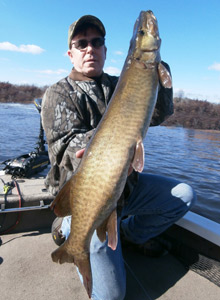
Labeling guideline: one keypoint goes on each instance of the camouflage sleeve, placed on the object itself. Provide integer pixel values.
(164, 105)
(65, 129)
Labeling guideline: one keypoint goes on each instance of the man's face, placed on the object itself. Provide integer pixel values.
(90, 60)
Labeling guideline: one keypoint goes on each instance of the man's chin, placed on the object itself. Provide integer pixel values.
(92, 72)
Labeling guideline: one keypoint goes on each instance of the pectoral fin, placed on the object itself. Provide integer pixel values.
(61, 204)
(138, 160)
(164, 76)
(112, 230)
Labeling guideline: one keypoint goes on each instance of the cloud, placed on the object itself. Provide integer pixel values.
(52, 72)
(113, 71)
(118, 53)
(33, 49)
(215, 66)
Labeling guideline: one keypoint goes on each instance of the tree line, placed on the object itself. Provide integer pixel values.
(13, 93)
(188, 113)
(195, 114)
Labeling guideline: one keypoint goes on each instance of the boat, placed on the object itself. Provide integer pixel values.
(189, 268)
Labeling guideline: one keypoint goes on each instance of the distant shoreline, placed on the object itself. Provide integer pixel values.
(195, 114)
(204, 130)
(16, 102)
(188, 113)
(23, 94)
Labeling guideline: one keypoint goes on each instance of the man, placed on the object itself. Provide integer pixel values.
(71, 110)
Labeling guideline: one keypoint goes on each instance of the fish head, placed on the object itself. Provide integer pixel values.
(145, 42)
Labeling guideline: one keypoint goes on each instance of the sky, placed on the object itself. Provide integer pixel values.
(33, 40)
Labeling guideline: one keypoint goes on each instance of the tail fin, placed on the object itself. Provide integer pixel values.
(62, 255)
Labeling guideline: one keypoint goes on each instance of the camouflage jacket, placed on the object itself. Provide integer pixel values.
(71, 110)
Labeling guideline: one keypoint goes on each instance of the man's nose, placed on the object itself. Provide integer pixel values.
(89, 48)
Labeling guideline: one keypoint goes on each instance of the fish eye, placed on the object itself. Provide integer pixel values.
(141, 32)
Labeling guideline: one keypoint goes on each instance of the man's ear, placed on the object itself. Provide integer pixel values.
(69, 53)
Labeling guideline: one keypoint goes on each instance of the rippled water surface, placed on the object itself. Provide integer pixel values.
(19, 129)
(192, 156)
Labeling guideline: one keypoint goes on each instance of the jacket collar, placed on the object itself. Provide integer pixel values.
(77, 76)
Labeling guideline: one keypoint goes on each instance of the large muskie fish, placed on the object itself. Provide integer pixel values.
(91, 195)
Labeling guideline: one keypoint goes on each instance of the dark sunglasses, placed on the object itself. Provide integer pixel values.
(95, 42)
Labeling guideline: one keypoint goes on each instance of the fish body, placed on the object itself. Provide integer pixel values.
(91, 195)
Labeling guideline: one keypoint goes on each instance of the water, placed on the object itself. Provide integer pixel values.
(192, 156)
(19, 129)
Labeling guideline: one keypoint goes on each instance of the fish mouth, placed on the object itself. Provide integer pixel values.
(150, 50)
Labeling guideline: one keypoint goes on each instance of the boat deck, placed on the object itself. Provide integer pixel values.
(27, 272)
(27, 204)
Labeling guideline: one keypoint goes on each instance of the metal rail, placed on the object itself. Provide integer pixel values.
(25, 208)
